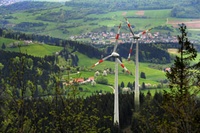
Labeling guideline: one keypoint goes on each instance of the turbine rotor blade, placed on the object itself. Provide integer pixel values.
(129, 26)
(122, 65)
(130, 51)
(102, 60)
(131, 30)
(144, 32)
(116, 38)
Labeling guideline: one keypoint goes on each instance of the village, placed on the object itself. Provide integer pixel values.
(106, 38)
(8, 2)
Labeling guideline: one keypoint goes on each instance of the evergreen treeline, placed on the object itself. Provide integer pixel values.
(148, 53)
(12, 61)
(182, 8)
(187, 10)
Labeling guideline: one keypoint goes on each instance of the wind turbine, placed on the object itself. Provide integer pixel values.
(117, 61)
(136, 37)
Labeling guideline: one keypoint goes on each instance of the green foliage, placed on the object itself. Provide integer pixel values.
(179, 104)
(22, 112)
(189, 11)
(142, 75)
(127, 4)
(17, 89)
(3, 46)
(179, 74)
(101, 80)
(30, 27)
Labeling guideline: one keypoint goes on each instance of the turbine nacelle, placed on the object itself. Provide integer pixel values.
(115, 54)
(136, 37)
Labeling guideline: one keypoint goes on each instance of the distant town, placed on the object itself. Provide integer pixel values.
(109, 38)
(8, 2)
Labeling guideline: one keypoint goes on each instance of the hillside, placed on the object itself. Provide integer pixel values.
(52, 23)
(92, 17)
(81, 59)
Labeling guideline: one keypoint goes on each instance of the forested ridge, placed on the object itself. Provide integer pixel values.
(182, 8)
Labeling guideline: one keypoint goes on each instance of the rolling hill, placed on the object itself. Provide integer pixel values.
(77, 17)
(154, 75)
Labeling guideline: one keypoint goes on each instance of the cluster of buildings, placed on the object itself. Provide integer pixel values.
(105, 38)
(8, 2)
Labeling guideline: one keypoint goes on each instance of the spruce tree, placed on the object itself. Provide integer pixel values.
(3, 46)
(179, 103)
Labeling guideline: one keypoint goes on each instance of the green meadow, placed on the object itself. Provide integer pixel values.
(41, 49)
(34, 49)
(153, 76)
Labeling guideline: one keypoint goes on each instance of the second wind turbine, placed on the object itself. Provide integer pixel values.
(136, 37)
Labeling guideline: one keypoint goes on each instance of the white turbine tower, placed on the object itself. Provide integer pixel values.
(136, 37)
(117, 61)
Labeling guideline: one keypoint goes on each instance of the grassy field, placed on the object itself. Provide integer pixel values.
(41, 49)
(35, 49)
(6, 41)
(153, 76)
(98, 88)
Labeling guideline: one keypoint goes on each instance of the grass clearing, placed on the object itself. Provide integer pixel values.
(34, 49)
(153, 76)
(39, 50)
(173, 51)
